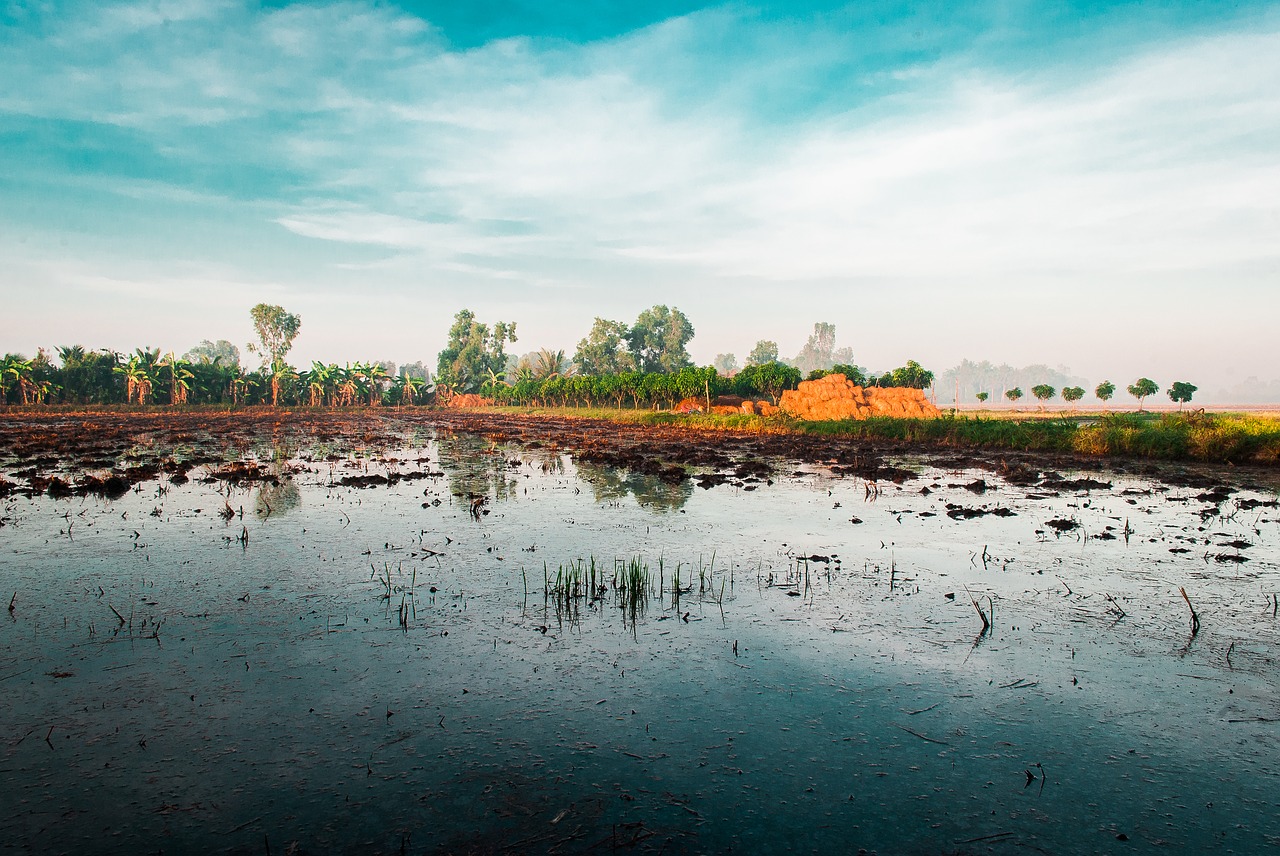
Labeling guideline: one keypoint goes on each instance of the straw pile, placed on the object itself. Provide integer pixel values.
(834, 397)
(727, 405)
(470, 399)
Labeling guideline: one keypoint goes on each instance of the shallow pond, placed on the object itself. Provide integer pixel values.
(465, 647)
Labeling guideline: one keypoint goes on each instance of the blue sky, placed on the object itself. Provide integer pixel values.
(1095, 185)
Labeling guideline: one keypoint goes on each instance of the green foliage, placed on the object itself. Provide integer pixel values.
(276, 331)
(982, 397)
(1072, 394)
(1105, 390)
(658, 340)
(852, 373)
(1013, 394)
(1043, 391)
(1141, 388)
(605, 350)
(764, 352)
(1181, 392)
(473, 352)
(912, 376)
(769, 379)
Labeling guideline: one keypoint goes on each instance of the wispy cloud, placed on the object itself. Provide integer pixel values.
(714, 148)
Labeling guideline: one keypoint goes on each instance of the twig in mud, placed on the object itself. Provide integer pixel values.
(117, 612)
(986, 623)
(921, 736)
(1119, 610)
(924, 709)
(992, 837)
(1195, 617)
(1230, 648)
(12, 601)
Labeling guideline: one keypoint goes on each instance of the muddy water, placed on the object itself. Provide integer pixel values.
(331, 662)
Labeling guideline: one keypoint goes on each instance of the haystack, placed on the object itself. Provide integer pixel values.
(834, 397)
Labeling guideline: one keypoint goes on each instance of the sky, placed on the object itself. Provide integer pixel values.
(1092, 185)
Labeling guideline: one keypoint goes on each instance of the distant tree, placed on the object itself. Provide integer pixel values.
(221, 351)
(605, 350)
(1072, 394)
(1181, 392)
(276, 330)
(764, 352)
(725, 364)
(658, 340)
(982, 397)
(415, 370)
(1043, 392)
(1141, 388)
(472, 352)
(818, 351)
(1105, 390)
(1013, 394)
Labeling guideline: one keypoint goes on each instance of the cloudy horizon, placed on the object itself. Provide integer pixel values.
(1095, 186)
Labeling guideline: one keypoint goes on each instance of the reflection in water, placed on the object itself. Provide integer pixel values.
(608, 483)
(274, 499)
(280, 494)
(475, 467)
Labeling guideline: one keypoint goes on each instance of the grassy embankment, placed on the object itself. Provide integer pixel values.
(1211, 438)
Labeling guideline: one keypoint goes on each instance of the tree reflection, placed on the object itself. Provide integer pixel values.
(610, 484)
(475, 466)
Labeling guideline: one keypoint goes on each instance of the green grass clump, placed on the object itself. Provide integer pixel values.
(1198, 436)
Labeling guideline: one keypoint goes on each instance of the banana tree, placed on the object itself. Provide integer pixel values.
(405, 388)
(374, 375)
(180, 377)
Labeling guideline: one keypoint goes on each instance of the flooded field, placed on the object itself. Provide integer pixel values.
(421, 639)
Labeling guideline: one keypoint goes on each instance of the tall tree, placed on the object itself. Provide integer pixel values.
(276, 330)
(725, 364)
(817, 353)
(658, 340)
(1104, 391)
(605, 350)
(473, 351)
(764, 352)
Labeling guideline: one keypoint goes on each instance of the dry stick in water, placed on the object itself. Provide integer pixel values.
(986, 624)
(1195, 618)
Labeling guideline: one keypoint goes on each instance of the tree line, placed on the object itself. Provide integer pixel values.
(641, 364)
(1143, 388)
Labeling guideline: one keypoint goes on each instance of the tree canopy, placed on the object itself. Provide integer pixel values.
(1143, 387)
(1181, 392)
(658, 340)
(764, 352)
(605, 350)
(276, 330)
(474, 352)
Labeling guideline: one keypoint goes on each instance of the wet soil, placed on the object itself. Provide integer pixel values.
(106, 452)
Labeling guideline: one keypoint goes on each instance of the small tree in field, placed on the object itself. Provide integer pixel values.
(1013, 394)
(1043, 392)
(1104, 391)
(982, 397)
(1181, 392)
(1072, 394)
(1141, 388)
